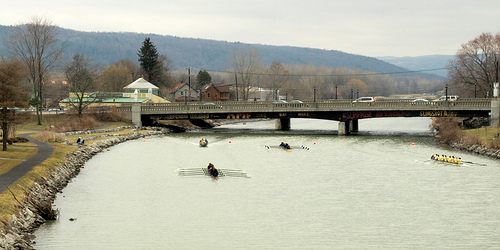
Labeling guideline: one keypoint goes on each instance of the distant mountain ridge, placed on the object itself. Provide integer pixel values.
(110, 47)
(417, 63)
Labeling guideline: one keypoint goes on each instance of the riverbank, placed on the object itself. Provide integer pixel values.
(16, 234)
(475, 148)
(483, 140)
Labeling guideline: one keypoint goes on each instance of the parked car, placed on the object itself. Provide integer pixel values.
(295, 101)
(420, 100)
(280, 101)
(447, 98)
(210, 105)
(365, 99)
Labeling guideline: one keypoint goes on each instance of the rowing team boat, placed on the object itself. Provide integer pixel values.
(447, 159)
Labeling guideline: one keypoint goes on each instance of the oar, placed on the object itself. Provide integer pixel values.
(480, 164)
(244, 176)
(192, 174)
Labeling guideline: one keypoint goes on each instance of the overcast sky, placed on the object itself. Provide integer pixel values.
(364, 27)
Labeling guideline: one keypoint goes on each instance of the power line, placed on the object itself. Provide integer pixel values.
(336, 75)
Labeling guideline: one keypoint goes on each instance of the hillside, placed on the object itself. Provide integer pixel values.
(421, 63)
(109, 47)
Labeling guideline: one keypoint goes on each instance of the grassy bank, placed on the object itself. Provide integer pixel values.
(486, 136)
(449, 131)
(9, 200)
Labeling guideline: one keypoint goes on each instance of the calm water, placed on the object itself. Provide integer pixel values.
(369, 191)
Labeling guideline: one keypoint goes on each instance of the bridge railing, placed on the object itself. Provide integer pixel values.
(240, 106)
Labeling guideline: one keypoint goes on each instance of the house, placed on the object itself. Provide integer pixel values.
(142, 86)
(183, 92)
(261, 94)
(215, 92)
(140, 91)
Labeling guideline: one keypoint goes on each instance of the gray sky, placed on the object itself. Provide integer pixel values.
(370, 28)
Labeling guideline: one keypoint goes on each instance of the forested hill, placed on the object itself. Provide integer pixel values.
(110, 47)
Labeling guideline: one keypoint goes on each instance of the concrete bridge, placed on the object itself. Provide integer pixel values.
(346, 112)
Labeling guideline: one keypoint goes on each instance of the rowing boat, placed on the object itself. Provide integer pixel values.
(451, 160)
(203, 143)
(285, 147)
(206, 172)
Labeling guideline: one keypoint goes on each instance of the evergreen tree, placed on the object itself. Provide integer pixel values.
(148, 58)
(203, 78)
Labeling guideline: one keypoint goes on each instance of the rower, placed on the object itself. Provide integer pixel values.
(450, 160)
(213, 171)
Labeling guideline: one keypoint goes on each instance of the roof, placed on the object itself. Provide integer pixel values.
(141, 84)
(222, 88)
(178, 86)
(105, 100)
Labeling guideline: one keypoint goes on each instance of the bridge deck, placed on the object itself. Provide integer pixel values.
(320, 106)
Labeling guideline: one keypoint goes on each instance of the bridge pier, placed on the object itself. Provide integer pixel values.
(347, 127)
(283, 124)
(136, 114)
(353, 125)
(495, 112)
(344, 128)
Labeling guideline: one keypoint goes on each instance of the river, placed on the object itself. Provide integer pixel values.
(373, 190)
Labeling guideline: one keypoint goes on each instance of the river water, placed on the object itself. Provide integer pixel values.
(373, 190)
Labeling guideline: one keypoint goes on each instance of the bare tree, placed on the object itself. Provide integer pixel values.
(82, 74)
(476, 65)
(12, 95)
(279, 78)
(246, 63)
(36, 45)
(115, 77)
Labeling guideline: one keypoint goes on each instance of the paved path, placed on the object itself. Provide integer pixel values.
(44, 152)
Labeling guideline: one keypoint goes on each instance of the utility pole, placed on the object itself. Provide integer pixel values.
(236, 79)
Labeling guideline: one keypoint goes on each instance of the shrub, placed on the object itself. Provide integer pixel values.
(50, 136)
(447, 129)
(67, 123)
(110, 115)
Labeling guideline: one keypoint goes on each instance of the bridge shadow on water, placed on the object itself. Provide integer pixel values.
(397, 127)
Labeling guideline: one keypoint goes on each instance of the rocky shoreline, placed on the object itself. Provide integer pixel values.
(478, 149)
(19, 234)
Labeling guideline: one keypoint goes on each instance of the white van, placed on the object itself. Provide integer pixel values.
(451, 98)
(365, 99)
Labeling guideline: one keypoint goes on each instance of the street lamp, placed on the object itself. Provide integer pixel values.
(336, 92)
(189, 83)
(314, 94)
(475, 86)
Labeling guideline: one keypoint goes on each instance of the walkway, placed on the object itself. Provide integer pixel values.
(44, 152)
